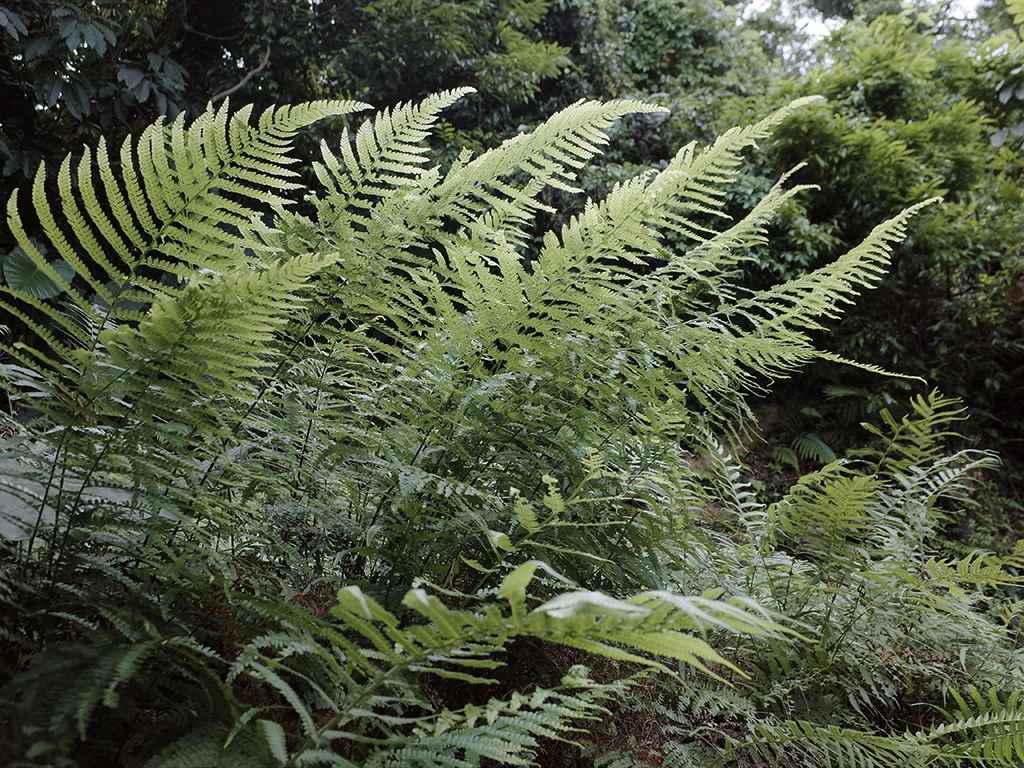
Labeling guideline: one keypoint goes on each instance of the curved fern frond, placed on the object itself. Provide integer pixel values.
(388, 152)
(209, 330)
(806, 743)
(179, 199)
(828, 511)
(460, 645)
(767, 331)
(487, 193)
(917, 438)
(985, 728)
(629, 224)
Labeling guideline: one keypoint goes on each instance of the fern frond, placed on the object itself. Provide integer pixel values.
(504, 731)
(828, 511)
(485, 192)
(986, 727)
(186, 199)
(388, 152)
(806, 743)
(210, 744)
(626, 229)
(783, 314)
(210, 330)
(917, 438)
(459, 645)
(630, 220)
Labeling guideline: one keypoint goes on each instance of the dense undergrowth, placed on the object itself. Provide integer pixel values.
(386, 481)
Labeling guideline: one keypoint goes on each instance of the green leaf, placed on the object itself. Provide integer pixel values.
(500, 540)
(130, 76)
(274, 737)
(23, 273)
(1016, 9)
(13, 23)
(595, 603)
(525, 514)
(513, 587)
(95, 36)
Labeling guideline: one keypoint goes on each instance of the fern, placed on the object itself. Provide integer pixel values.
(984, 727)
(883, 620)
(811, 744)
(231, 408)
(375, 658)
(179, 233)
(916, 438)
(188, 199)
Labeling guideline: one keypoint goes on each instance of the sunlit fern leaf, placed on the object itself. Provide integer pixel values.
(211, 328)
(389, 151)
(463, 645)
(1016, 7)
(828, 512)
(706, 266)
(917, 438)
(510, 304)
(183, 198)
(986, 727)
(628, 225)
(783, 312)
(176, 291)
(486, 189)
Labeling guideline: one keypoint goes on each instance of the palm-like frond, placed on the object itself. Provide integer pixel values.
(985, 728)
(177, 201)
(806, 743)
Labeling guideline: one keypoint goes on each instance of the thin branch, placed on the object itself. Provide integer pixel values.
(244, 80)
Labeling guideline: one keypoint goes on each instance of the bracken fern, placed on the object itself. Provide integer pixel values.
(230, 405)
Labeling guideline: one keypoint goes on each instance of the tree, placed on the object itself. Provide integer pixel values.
(911, 115)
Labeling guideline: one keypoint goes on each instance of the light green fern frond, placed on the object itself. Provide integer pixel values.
(1016, 8)
(485, 192)
(209, 330)
(779, 317)
(627, 227)
(387, 152)
(986, 728)
(172, 292)
(828, 511)
(916, 439)
(462, 645)
(507, 732)
(806, 743)
(181, 199)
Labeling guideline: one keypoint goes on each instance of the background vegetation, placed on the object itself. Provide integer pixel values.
(430, 375)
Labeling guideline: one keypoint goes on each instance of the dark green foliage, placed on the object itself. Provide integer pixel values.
(71, 72)
(910, 114)
(403, 49)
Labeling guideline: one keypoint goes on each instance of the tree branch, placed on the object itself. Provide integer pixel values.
(244, 80)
